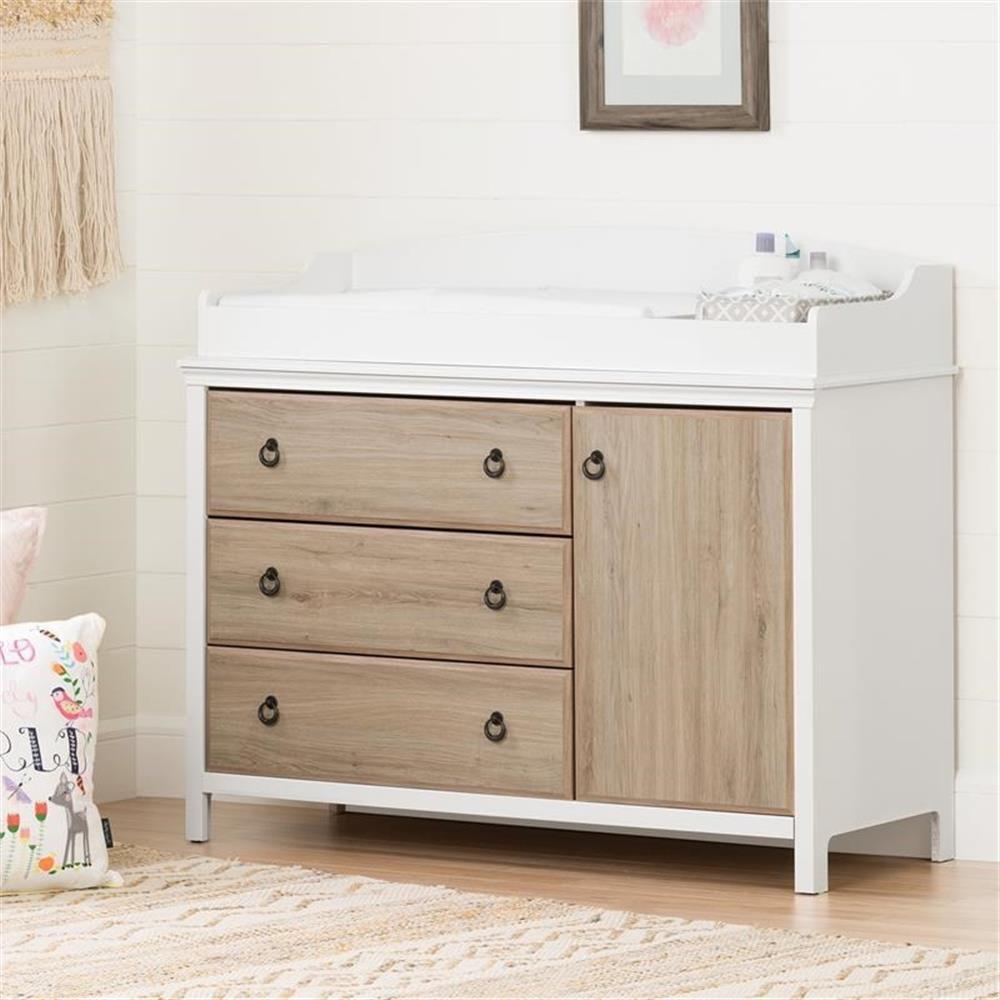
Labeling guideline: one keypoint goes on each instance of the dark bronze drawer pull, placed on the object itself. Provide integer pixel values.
(269, 454)
(593, 465)
(495, 728)
(269, 582)
(493, 464)
(495, 597)
(267, 711)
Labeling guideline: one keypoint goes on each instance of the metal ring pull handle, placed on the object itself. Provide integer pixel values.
(593, 465)
(269, 454)
(493, 464)
(495, 597)
(495, 728)
(267, 711)
(269, 583)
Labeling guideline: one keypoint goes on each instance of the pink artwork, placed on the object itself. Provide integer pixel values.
(692, 64)
(674, 22)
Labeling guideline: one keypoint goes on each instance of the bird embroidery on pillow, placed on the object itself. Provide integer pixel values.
(68, 708)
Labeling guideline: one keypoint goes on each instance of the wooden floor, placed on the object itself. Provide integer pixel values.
(892, 899)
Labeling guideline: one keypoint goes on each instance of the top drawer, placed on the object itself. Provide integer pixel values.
(377, 460)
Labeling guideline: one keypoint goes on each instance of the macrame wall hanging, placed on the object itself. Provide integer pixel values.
(57, 165)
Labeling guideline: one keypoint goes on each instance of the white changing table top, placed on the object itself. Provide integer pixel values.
(481, 301)
(563, 312)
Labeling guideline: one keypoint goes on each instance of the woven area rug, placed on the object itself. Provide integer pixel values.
(203, 927)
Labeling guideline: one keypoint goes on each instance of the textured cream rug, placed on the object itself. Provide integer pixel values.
(201, 927)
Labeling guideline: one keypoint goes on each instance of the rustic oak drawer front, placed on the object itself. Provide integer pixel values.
(373, 460)
(390, 722)
(443, 595)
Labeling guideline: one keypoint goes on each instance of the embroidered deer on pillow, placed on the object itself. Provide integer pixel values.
(76, 823)
(48, 740)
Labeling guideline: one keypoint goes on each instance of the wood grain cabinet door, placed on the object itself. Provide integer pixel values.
(683, 609)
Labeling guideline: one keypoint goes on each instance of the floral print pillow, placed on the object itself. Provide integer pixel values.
(52, 836)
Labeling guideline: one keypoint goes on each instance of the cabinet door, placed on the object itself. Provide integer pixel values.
(682, 555)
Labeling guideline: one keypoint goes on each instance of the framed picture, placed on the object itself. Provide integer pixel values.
(689, 64)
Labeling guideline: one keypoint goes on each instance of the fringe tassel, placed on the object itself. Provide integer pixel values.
(57, 177)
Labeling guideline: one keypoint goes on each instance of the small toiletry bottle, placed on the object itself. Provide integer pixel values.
(765, 265)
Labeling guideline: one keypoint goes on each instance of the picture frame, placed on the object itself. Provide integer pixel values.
(658, 64)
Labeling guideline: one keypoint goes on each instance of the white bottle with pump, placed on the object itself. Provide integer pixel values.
(765, 264)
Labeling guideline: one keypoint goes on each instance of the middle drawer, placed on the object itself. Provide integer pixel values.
(444, 595)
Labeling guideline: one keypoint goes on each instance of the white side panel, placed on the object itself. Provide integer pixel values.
(765, 354)
(634, 259)
(489, 383)
(911, 332)
(197, 803)
(882, 607)
(810, 844)
(602, 815)
(627, 259)
(326, 272)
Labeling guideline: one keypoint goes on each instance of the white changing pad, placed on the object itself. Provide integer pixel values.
(490, 301)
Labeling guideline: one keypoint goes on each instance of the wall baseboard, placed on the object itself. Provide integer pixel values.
(114, 766)
(159, 756)
(158, 771)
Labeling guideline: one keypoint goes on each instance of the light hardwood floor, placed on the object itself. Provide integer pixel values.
(893, 899)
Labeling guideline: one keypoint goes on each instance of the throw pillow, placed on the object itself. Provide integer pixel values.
(51, 836)
(21, 533)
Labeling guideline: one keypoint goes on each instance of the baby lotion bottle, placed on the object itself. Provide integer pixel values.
(765, 264)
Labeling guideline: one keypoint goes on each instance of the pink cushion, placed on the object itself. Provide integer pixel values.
(21, 533)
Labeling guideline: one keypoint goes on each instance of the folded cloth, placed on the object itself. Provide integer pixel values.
(763, 306)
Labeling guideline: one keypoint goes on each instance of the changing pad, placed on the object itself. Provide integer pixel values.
(750, 307)
(488, 301)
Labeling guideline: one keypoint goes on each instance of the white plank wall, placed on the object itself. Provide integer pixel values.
(68, 443)
(268, 131)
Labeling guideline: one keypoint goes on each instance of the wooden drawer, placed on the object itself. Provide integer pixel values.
(389, 591)
(390, 722)
(375, 460)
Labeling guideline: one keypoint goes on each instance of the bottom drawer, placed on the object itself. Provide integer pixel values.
(390, 722)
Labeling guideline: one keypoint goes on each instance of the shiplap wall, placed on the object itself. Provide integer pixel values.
(268, 131)
(68, 443)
